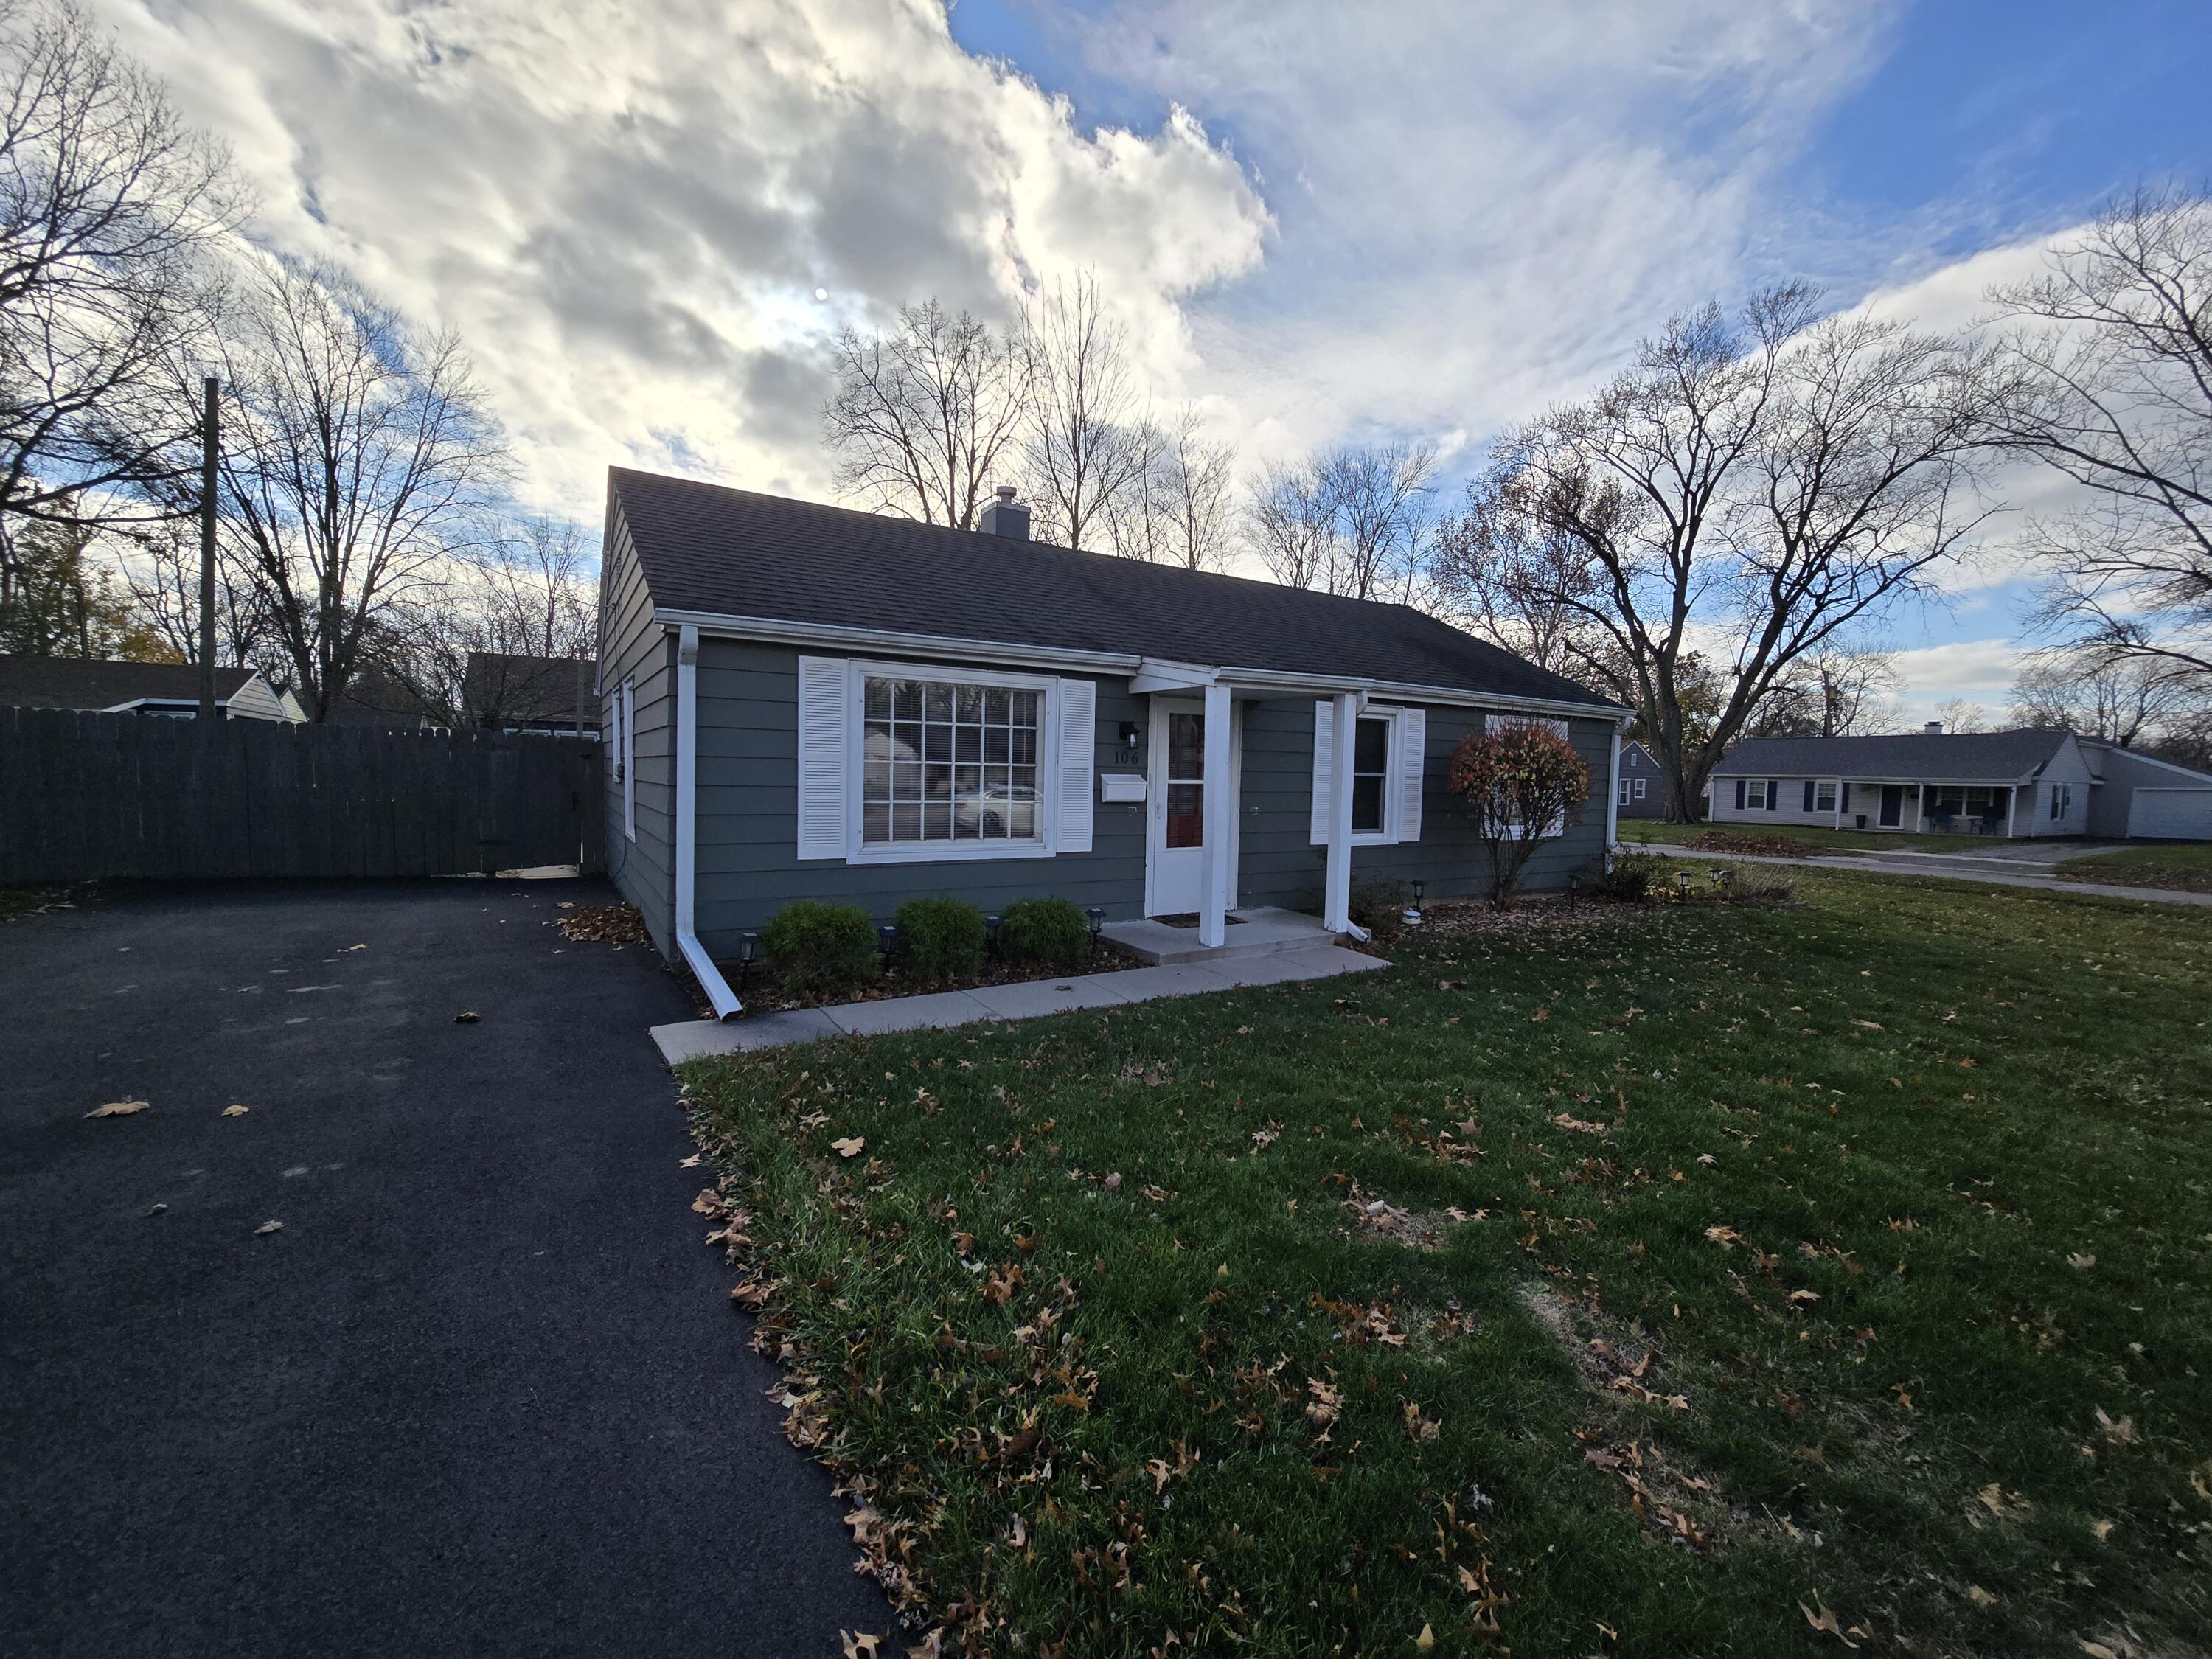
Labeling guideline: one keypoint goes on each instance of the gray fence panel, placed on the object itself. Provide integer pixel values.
(87, 796)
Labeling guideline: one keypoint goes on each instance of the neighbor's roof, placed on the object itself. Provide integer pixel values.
(79, 682)
(501, 685)
(732, 552)
(1927, 756)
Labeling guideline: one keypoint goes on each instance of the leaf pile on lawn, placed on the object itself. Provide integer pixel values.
(1623, 1291)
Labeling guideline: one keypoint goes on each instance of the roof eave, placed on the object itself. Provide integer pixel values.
(778, 630)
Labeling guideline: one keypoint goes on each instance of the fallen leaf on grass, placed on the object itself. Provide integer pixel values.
(1826, 1622)
(1420, 1428)
(119, 1108)
(468, 1017)
(1578, 1125)
(236, 1111)
(691, 1162)
(268, 1227)
(1980, 1597)
(2079, 1262)
(2102, 1529)
(2122, 1429)
(861, 1647)
(1426, 1640)
(849, 1147)
(1726, 1238)
(1326, 1402)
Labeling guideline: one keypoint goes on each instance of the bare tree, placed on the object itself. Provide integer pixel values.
(356, 454)
(1833, 691)
(2113, 344)
(471, 644)
(1177, 503)
(1086, 438)
(1287, 523)
(108, 201)
(1513, 575)
(1380, 505)
(927, 419)
(161, 565)
(1770, 483)
(1959, 715)
(2127, 700)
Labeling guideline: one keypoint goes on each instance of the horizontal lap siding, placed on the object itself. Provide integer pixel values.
(1279, 864)
(749, 867)
(631, 645)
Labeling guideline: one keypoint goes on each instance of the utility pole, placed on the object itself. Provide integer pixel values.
(208, 434)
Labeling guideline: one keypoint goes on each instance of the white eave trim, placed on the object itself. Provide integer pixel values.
(1142, 670)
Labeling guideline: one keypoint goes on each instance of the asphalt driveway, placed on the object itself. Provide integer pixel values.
(482, 1393)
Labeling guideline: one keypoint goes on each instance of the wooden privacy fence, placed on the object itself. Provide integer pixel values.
(86, 797)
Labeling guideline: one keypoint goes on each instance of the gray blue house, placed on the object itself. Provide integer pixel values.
(803, 701)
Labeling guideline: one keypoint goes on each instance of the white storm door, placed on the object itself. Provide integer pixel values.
(1177, 841)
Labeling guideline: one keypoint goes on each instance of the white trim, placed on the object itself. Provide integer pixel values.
(724, 1000)
(1217, 864)
(1336, 890)
(1156, 792)
(1401, 821)
(626, 715)
(1044, 845)
(1620, 783)
(938, 646)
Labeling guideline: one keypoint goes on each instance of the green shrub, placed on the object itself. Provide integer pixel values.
(940, 938)
(1050, 932)
(1629, 875)
(1379, 906)
(820, 950)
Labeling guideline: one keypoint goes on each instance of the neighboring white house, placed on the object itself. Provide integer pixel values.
(2025, 782)
(139, 688)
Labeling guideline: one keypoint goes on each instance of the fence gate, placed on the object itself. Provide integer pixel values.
(86, 797)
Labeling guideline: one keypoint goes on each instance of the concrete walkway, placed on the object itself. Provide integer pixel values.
(1942, 868)
(692, 1039)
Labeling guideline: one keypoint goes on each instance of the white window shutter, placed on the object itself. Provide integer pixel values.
(1078, 746)
(1324, 735)
(1412, 769)
(823, 786)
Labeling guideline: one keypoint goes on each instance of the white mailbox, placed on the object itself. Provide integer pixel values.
(1122, 787)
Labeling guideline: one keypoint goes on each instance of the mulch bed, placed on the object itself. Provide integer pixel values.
(761, 991)
(1531, 913)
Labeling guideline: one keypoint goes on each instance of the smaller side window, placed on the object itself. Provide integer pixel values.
(1639, 789)
(2054, 803)
(1824, 798)
(1757, 794)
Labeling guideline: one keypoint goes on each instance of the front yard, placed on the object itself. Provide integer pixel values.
(2187, 867)
(1815, 838)
(1699, 1280)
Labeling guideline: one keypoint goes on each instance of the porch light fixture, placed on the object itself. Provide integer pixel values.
(1128, 734)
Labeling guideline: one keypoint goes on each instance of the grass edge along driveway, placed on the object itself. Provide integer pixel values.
(1710, 1280)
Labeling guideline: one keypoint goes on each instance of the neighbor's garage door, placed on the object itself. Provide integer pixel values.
(2171, 814)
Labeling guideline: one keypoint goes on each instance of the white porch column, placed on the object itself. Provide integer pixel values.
(1336, 896)
(1214, 796)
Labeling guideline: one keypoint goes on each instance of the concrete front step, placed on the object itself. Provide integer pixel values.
(1260, 930)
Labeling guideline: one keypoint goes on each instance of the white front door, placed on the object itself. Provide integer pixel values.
(1176, 844)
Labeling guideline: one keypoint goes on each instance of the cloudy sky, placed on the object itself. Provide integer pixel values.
(1324, 221)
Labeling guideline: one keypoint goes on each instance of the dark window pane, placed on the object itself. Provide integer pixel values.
(879, 700)
(1186, 819)
(1370, 746)
(938, 700)
(1186, 750)
(1366, 806)
(876, 822)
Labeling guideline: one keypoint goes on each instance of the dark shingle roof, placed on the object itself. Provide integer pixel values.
(500, 687)
(732, 552)
(1934, 756)
(79, 683)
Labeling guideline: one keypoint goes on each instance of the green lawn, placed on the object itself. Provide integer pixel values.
(1847, 840)
(1734, 1267)
(2186, 867)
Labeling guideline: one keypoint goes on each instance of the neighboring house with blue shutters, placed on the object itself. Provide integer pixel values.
(804, 701)
(2027, 783)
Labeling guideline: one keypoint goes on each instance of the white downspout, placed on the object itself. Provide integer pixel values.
(1612, 797)
(687, 826)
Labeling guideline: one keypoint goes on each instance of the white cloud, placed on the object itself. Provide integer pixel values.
(626, 211)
